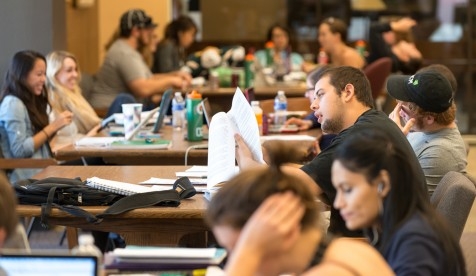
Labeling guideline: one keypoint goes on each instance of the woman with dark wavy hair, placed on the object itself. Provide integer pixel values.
(377, 191)
(24, 128)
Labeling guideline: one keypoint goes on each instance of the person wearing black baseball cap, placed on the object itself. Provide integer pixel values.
(124, 76)
(426, 113)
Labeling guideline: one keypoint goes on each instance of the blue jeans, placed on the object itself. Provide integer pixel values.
(116, 105)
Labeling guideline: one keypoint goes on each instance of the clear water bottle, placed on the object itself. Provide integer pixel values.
(86, 247)
(280, 108)
(178, 111)
(258, 114)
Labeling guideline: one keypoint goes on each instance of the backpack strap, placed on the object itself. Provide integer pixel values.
(140, 200)
(46, 208)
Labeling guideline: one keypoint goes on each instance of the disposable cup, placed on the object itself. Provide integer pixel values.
(131, 114)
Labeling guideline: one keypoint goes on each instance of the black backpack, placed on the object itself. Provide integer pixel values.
(63, 191)
(67, 194)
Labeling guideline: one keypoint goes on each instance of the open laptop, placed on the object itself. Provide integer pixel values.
(162, 109)
(57, 263)
(207, 111)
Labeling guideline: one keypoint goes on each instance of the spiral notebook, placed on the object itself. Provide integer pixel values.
(117, 187)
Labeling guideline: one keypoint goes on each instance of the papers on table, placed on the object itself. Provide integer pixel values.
(97, 141)
(121, 143)
(198, 176)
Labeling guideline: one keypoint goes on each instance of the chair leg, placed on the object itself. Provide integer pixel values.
(72, 236)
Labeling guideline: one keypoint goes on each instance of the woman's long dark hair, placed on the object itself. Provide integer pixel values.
(371, 151)
(15, 84)
(181, 24)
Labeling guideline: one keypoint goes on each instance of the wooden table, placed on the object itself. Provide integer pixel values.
(167, 226)
(173, 156)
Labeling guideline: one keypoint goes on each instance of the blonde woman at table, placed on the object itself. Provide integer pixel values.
(269, 222)
(64, 93)
(25, 131)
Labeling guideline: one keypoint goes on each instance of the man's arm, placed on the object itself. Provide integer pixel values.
(145, 88)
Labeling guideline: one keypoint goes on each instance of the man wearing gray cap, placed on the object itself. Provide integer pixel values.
(426, 114)
(124, 76)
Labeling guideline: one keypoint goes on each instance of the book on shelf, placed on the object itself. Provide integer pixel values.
(221, 142)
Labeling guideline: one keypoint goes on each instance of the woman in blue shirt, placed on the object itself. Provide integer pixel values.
(377, 191)
(24, 127)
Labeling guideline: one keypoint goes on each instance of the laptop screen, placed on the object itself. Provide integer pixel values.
(164, 106)
(42, 265)
(207, 111)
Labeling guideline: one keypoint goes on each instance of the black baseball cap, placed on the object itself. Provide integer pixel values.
(133, 18)
(429, 90)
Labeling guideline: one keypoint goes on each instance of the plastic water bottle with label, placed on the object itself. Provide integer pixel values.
(178, 111)
(258, 114)
(280, 108)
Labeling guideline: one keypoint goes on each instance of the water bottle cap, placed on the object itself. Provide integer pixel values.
(84, 239)
(255, 103)
(178, 93)
(194, 95)
(269, 44)
(280, 92)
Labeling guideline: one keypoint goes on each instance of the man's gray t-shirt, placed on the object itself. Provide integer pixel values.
(121, 65)
(438, 153)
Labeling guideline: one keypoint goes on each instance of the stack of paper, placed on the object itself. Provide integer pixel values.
(198, 176)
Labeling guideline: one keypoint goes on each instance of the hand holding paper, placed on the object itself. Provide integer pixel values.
(221, 142)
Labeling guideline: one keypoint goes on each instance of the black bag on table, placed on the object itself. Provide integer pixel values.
(68, 194)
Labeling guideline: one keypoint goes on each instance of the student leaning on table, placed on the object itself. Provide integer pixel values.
(377, 191)
(62, 77)
(343, 106)
(25, 131)
(270, 223)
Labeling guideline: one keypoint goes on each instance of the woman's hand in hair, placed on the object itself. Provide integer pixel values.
(274, 226)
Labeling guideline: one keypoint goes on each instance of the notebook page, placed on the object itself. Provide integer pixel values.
(244, 122)
(221, 150)
(117, 187)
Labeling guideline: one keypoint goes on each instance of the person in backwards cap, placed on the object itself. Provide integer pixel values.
(124, 77)
(426, 114)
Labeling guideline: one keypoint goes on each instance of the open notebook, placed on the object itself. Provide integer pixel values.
(57, 263)
(221, 143)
